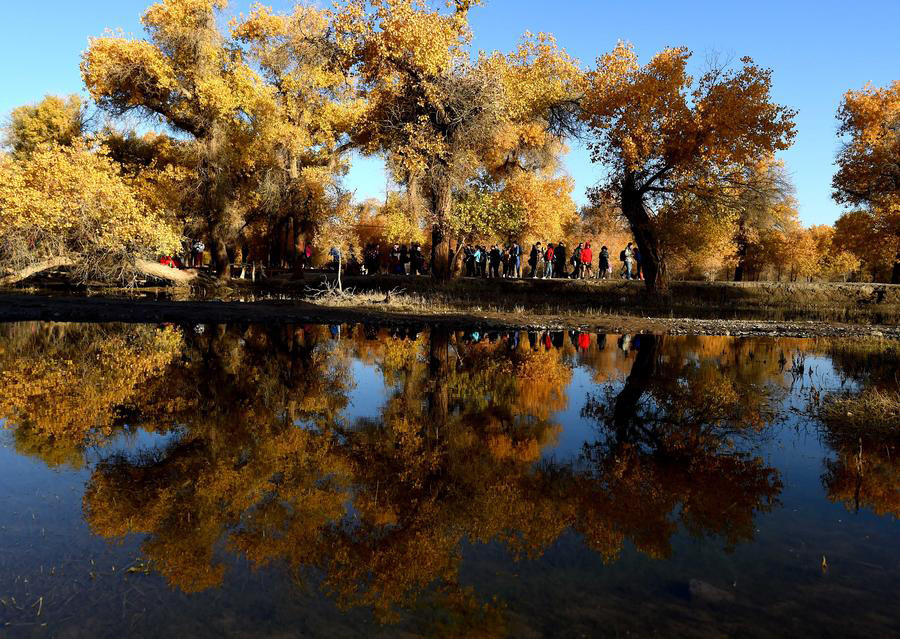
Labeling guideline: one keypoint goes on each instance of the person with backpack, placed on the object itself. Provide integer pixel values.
(576, 261)
(549, 258)
(639, 273)
(603, 266)
(561, 268)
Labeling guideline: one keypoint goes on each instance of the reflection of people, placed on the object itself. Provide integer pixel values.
(584, 342)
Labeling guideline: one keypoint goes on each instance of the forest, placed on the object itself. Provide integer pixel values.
(236, 135)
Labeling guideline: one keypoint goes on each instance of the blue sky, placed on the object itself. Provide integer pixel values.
(818, 50)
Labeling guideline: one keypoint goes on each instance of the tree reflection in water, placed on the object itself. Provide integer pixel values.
(262, 463)
(865, 469)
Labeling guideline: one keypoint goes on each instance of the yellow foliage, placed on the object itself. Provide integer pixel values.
(868, 172)
(53, 120)
(70, 202)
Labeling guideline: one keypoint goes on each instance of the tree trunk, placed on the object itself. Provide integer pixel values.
(339, 283)
(739, 270)
(153, 269)
(441, 260)
(220, 259)
(299, 249)
(439, 373)
(219, 250)
(34, 269)
(638, 381)
(895, 276)
(160, 271)
(652, 262)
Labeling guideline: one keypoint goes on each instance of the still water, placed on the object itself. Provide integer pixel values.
(353, 481)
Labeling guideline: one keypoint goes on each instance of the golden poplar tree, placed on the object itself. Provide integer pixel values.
(868, 176)
(663, 135)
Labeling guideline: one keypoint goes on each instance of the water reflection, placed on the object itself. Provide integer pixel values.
(258, 459)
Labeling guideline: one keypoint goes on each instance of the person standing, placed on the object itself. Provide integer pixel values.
(628, 259)
(533, 258)
(639, 273)
(404, 259)
(549, 258)
(517, 260)
(417, 260)
(197, 253)
(394, 267)
(576, 261)
(496, 258)
(335, 254)
(603, 263)
(587, 259)
(561, 268)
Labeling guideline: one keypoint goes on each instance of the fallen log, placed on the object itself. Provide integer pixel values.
(163, 272)
(145, 267)
(34, 269)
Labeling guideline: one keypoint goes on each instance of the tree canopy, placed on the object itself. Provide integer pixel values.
(673, 144)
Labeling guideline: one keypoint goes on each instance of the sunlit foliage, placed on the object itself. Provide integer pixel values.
(69, 206)
(674, 145)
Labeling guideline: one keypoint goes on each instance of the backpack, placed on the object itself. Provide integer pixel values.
(622, 255)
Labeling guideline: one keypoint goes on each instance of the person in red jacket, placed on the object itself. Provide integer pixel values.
(587, 256)
(584, 342)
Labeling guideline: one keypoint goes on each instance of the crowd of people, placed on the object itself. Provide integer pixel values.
(509, 261)
(400, 259)
(552, 261)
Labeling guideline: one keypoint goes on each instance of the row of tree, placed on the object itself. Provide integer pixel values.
(256, 122)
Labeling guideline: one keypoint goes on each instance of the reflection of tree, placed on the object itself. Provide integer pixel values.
(65, 386)
(865, 471)
(252, 405)
(450, 458)
(260, 461)
(665, 453)
(865, 474)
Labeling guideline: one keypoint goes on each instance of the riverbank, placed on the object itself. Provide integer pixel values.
(402, 309)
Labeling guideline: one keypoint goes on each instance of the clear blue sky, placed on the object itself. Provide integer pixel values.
(818, 50)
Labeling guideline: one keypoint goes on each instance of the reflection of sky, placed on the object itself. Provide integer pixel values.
(576, 430)
(42, 520)
(368, 393)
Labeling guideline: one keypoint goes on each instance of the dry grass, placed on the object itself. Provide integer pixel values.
(872, 412)
(879, 304)
(328, 294)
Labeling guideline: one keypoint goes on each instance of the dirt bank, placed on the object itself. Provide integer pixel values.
(109, 309)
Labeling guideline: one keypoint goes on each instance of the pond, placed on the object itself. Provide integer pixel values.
(360, 481)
